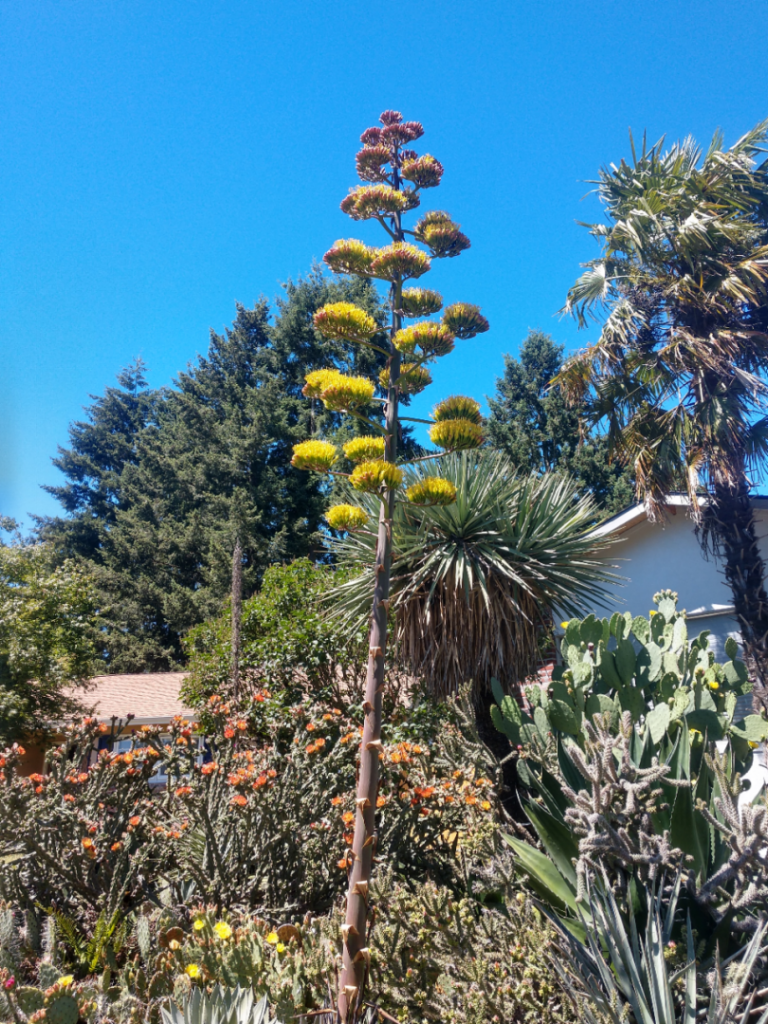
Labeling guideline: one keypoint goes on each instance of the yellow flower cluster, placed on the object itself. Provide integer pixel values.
(441, 234)
(412, 380)
(346, 518)
(455, 435)
(420, 302)
(343, 321)
(318, 456)
(318, 381)
(424, 171)
(399, 261)
(458, 407)
(345, 393)
(433, 339)
(372, 476)
(367, 201)
(364, 448)
(465, 320)
(432, 490)
(349, 256)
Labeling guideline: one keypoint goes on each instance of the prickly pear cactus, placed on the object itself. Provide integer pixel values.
(61, 1009)
(29, 999)
(10, 945)
(144, 936)
(647, 667)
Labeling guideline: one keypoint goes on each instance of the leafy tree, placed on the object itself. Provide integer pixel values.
(531, 423)
(677, 371)
(398, 176)
(162, 484)
(46, 636)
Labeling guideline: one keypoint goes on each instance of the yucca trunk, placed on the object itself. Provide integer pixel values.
(355, 950)
(730, 523)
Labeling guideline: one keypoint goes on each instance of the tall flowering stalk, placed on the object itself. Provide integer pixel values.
(394, 178)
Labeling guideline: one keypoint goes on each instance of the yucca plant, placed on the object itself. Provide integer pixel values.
(474, 583)
(619, 974)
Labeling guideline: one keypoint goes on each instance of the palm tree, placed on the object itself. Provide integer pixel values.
(475, 583)
(677, 372)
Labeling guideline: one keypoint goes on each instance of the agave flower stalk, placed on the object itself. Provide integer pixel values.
(398, 177)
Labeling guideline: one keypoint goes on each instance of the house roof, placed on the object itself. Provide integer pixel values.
(634, 514)
(151, 697)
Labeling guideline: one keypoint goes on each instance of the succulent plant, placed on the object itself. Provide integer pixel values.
(220, 1006)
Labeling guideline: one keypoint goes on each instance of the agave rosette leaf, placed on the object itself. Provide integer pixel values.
(344, 321)
(473, 582)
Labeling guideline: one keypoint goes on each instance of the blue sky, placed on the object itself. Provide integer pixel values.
(163, 159)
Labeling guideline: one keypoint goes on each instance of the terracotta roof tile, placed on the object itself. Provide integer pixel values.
(148, 696)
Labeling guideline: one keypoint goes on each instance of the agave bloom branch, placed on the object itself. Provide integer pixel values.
(395, 177)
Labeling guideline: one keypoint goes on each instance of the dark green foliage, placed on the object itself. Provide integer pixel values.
(531, 424)
(46, 636)
(287, 639)
(160, 483)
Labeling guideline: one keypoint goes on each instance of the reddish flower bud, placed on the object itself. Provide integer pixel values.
(391, 117)
(371, 137)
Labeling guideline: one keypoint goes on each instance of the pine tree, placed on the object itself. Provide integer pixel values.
(532, 425)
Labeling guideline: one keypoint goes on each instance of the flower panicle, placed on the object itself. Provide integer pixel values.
(420, 302)
(432, 490)
(350, 256)
(441, 234)
(458, 407)
(368, 201)
(364, 448)
(456, 435)
(433, 339)
(346, 518)
(422, 171)
(375, 476)
(343, 321)
(399, 261)
(465, 320)
(316, 456)
(412, 379)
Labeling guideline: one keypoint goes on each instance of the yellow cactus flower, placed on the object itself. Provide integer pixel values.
(223, 930)
(349, 256)
(65, 980)
(193, 971)
(400, 260)
(465, 320)
(318, 456)
(345, 393)
(280, 947)
(199, 924)
(420, 302)
(346, 518)
(343, 321)
(564, 625)
(432, 490)
(456, 435)
(372, 476)
(412, 380)
(273, 938)
(714, 685)
(458, 407)
(360, 449)
(174, 944)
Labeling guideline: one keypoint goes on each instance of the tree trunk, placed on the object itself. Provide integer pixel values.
(730, 527)
(237, 614)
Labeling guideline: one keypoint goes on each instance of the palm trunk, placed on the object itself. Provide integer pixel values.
(355, 950)
(730, 523)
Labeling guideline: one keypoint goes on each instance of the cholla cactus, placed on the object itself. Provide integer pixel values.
(387, 166)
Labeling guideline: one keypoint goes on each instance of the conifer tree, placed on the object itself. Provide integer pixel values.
(394, 178)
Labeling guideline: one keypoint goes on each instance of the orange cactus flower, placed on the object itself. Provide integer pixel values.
(69, 798)
(37, 778)
(311, 727)
(87, 843)
(207, 769)
(348, 817)
(424, 811)
(381, 801)
(239, 800)
(343, 863)
(183, 791)
(319, 742)
(486, 805)
(310, 748)
(234, 779)
(470, 799)
(135, 820)
(115, 847)
(229, 733)
(242, 725)
(327, 718)
(348, 837)
(261, 781)
(272, 773)
(336, 801)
